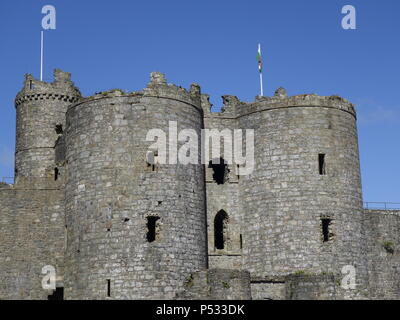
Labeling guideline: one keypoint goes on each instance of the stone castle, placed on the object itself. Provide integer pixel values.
(87, 202)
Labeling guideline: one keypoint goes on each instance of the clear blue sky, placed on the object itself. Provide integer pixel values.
(116, 44)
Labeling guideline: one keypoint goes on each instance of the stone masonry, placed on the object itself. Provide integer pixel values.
(88, 201)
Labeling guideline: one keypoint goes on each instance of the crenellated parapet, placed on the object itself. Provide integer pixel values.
(46, 96)
(229, 110)
(62, 88)
(230, 105)
(233, 107)
(282, 100)
(158, 87)
(206, 104)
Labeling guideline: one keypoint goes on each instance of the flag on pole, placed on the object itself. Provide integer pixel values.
(260, 68)
(259, 58)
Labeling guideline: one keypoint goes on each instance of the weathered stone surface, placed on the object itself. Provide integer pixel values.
(217, 284)
(85, 192)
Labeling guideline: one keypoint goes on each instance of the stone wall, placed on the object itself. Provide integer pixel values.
(383, 240)
(32, 236)
(223, 197)
(217, 284)
(272, 288)
(311, 287)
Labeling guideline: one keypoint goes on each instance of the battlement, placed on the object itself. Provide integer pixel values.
(233, 107)
(62, 88)
(281, 100)
(45, 96)
(157, 87)
(113, 93)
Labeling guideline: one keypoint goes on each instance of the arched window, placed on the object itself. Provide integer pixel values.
(220, 230)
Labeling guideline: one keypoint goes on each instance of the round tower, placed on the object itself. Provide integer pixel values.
(303, 201)
(40, 109)
(135, 227)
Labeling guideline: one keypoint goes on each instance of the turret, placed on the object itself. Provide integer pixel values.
(136, 228)
(40, 109)
(303, 201)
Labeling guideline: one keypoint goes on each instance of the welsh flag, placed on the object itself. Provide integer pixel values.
(259, 58)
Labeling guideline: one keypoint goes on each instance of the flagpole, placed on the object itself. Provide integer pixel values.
(261, 84)
(41, 55)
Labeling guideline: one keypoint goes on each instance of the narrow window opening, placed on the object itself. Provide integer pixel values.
(65, 237)
(56, 174)
(152, 228)
(241, 241)
(220, 230)
(326, 234)
(59, 129)
(58, 294)
(30, 85)
(108, 288)
(220, 170)
(321, 161)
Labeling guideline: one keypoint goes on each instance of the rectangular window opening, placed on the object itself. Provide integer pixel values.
(152, 228)
(108, 287)
(241, 241)
(326, 234)
(321, 161)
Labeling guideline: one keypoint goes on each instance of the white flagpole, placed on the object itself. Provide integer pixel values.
(261, 84)
(41, 56)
